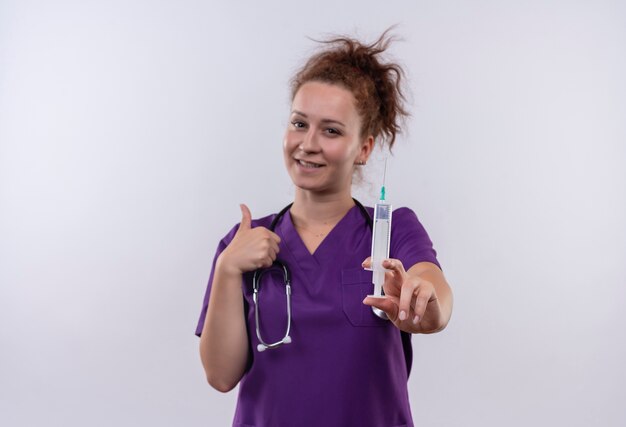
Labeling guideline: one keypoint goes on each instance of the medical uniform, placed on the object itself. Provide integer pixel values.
(345, 366)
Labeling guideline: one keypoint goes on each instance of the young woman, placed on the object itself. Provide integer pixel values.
(341, 364)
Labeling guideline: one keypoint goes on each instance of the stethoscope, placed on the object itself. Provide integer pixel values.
(258, 274)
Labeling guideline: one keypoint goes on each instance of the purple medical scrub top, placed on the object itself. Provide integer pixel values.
(344, 366)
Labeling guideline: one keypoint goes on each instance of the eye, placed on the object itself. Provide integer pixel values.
(333, 131)
(298, 124)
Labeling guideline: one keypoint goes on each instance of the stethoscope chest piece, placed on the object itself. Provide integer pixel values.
(256, 280)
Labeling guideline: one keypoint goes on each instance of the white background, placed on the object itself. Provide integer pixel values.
(131, 130)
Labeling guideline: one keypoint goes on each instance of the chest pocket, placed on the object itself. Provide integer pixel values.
(356, 284)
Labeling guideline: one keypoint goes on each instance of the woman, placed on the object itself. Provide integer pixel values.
(343, 366)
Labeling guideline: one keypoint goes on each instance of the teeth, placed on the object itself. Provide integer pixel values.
(308, 164)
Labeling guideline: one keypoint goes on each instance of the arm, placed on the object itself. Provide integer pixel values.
(418, 300)
(224, 338)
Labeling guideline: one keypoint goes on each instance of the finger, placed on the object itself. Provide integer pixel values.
(266, 245)
(265, 262)
(406, 297)
(367, 263)
(422, 298)
(396, 274)
(246, 218)
(395, 265)
(385, 304)
(272, 253)
(275, 237)
(274, 246)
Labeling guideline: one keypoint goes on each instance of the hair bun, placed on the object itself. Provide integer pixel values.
(375, 83)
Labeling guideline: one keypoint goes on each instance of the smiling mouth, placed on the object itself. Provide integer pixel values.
(309, 165)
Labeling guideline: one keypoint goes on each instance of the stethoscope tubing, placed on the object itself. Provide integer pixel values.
(258, 274)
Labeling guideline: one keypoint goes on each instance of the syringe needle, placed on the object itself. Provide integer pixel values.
(385, 172)
(382, 189)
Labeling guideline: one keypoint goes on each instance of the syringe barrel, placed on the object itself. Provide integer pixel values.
(381, 234)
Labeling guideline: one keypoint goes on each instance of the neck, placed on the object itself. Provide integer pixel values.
(310, 208)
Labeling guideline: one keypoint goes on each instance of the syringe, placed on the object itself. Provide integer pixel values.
(381, 238)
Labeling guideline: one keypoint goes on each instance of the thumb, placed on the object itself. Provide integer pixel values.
(246, 218)
(386, 304)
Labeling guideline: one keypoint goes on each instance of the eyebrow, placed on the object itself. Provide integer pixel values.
(326, 121)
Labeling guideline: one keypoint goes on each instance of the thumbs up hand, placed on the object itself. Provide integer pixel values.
(251, 248)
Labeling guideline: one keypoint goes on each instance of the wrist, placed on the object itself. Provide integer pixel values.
(226, 267)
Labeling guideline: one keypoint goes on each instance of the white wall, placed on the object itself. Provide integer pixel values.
(130, 131)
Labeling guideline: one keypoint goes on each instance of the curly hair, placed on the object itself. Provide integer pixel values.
(376, 84)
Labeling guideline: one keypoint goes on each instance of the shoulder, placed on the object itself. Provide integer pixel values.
(406, 222)
(404, 217)
(409, 239)
(405, 214)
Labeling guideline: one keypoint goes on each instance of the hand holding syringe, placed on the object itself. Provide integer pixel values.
(381, 238)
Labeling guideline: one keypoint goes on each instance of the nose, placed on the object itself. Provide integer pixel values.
(309, 142)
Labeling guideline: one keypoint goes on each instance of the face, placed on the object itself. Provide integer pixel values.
(323, 143)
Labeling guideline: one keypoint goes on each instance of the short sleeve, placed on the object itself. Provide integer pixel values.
(205, 304)
(410, 242)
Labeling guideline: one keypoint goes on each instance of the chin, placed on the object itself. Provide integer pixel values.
(303, 185)
(307, 185)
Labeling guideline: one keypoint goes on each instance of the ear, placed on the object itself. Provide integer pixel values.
(366, 148)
